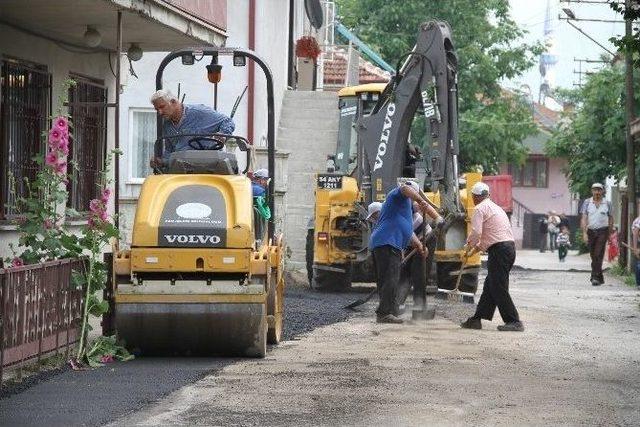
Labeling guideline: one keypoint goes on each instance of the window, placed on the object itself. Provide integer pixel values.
(142, 135)
(534, 173)
(25, 105)
(87, 148)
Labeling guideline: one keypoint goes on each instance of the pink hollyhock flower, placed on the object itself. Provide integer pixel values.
(107, 358)
(51, 159)
(63, 143)
(64, 150)
(95, 206)
(104, 216)
(48, 224)
(55, 135)
(106, 193)
(61, 168)
(17, 262)
(61, 123)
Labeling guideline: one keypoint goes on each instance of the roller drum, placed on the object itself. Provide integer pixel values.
(194, 329)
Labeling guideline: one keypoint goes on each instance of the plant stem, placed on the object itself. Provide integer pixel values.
(85, 311)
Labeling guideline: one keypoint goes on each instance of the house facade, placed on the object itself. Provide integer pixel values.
(42, 46)
(539, 185)
(264, 27)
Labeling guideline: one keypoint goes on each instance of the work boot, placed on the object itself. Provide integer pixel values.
(512, 326)
(471, 323)
(594, 282)
(389, 318)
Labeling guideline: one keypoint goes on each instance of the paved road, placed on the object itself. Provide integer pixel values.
(99, 396)
(577, 363)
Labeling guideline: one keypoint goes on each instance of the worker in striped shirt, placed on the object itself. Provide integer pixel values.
(491, 232)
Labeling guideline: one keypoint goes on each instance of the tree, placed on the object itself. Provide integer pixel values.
(628, 43)
(592, 137)
(488, 43)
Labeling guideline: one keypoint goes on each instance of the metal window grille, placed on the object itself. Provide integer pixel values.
(87, 148)
(25, 105)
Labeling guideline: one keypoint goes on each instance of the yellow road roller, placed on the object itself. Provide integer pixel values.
(204, 272)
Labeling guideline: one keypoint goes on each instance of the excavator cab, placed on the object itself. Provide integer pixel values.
(353, 103)
(198, 278)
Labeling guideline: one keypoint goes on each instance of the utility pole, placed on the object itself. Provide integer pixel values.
(632, 206)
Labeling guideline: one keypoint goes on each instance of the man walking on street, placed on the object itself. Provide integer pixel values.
(491, 232)
(596, 224)
(390, 237)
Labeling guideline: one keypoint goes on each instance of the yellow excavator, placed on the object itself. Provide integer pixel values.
(204, 274)
(374, 152)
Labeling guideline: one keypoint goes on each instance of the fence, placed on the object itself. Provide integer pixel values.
(40, 311)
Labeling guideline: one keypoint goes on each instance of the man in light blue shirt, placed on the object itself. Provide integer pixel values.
(183, 119)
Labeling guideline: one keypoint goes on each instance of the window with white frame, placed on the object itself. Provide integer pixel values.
(142, 135)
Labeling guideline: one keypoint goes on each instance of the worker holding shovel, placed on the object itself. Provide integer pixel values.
(491, 232)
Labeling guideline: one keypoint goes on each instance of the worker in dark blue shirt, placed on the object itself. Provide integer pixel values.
(260, 182)
(391, 236)
(183, 119)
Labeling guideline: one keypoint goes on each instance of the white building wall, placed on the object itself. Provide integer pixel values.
(60, 63)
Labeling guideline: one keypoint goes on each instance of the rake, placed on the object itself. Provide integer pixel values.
(455, 295)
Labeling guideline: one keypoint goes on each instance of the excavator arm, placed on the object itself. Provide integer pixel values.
(427, 81)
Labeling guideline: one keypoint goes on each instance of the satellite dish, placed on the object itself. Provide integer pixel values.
(314, 13)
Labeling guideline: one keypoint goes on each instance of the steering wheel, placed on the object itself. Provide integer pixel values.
(196, 143)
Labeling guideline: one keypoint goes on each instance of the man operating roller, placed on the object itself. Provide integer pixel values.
(491, 232)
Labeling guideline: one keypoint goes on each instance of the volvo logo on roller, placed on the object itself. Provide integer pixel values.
(384, 137)
(202, 239)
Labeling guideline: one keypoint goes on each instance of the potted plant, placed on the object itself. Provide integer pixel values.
(307, 47)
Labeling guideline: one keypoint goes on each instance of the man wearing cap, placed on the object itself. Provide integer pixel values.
(259, 182)
(390, 237)
(373, 212)
(596, 223)
(491, 232)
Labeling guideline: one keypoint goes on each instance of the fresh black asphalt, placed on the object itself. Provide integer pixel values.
(95, 397)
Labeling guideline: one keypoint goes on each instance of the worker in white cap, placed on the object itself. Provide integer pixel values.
(373, 211)
(389, 238)
(491, 233)
(259, 182)
(597, 224)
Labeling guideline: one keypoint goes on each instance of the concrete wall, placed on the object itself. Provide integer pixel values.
(60, 63)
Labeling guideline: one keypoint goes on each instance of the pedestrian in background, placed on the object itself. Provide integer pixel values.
(564, 222)
(543, 228)
(491, 232)
(554, 228)
(612, 245)
(635, 233)
(596, 223)
(563, 241)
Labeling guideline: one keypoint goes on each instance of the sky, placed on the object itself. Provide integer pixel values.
(569, 42)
